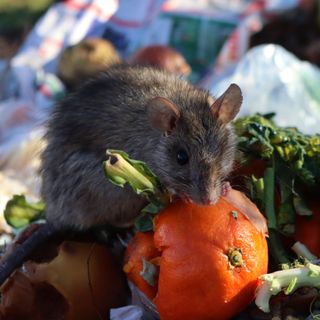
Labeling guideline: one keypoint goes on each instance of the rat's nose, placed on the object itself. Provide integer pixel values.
(209, 199)
(206, 201)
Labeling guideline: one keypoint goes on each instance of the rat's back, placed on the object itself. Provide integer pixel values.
(112, 106)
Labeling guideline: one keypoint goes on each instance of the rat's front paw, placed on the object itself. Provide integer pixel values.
(226, 187)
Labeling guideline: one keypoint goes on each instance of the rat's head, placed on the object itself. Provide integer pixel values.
(195, 153)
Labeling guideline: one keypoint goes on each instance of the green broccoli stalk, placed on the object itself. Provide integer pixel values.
(120, 169)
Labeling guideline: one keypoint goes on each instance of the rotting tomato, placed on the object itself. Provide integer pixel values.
(211, 259)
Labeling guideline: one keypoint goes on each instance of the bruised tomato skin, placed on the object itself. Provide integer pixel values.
(196, 278)
(308, 228)
(141, 247)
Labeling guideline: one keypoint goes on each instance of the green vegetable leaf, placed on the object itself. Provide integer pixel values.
(286, 212)
(293, 159)
(269, 185)
(120, 169)
(144, 223)
(19, 212)
(153, 208)
(256, 186)
(261, 138)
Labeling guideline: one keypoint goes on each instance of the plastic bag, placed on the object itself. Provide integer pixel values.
(141, 307)
(126, 313)
(274, 80)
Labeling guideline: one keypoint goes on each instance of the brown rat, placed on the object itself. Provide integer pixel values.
(177, 129)
(183, 135)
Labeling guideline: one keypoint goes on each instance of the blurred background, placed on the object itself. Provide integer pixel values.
(270, 48)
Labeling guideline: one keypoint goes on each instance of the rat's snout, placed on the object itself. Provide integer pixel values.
(209, 199)
(206, 195)
(207, 192)
(206, 186)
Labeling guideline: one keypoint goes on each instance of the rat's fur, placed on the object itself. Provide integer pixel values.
(110, 112)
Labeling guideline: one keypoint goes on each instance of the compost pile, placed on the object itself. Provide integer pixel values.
(180, 257)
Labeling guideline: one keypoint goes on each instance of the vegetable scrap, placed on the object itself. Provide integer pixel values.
(279, 171)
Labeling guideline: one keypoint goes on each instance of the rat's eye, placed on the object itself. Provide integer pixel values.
(182, 157)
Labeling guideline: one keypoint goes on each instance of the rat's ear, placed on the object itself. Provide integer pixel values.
(228, 105)
(163, 114)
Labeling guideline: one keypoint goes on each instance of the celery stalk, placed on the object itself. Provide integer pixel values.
(288, 280)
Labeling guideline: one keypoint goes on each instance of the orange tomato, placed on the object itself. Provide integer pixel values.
(140, 247)
(211, 259)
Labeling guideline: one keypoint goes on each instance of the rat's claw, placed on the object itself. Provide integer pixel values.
(225, 188)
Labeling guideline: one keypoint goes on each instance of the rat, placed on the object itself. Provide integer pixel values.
(182, 133)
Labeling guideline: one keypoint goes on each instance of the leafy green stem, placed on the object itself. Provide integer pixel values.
(275, 244)
(269, 188)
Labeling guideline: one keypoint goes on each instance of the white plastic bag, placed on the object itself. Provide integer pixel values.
(274, 80)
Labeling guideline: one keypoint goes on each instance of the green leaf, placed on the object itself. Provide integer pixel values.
(261, 138)
(269, 188)
(116, 180)
(140, 166)
(19, 213)
(149, 272)
(257, 192)
(152, 208)
(120, 169)
(144, 223)
(286, 212)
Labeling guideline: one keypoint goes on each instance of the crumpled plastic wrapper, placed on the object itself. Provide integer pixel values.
(126, 313)
(274, 80)
(141, 308)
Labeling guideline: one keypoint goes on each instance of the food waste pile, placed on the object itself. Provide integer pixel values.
(255, 253)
